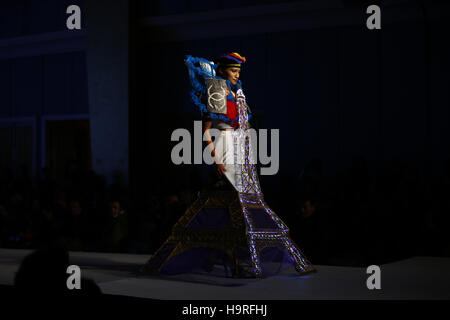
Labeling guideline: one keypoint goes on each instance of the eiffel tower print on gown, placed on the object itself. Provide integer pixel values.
(231, 232)
(237, 232)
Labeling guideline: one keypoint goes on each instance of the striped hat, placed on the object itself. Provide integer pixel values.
(233, 59)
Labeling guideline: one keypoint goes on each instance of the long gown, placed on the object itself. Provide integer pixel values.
(230, 230)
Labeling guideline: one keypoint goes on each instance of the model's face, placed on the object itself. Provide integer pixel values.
(232, 74)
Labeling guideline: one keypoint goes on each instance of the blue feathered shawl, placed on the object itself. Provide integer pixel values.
(197, 76)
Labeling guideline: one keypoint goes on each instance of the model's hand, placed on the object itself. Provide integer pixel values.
(220, 168)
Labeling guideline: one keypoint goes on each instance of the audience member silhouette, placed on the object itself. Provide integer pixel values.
(44, 272)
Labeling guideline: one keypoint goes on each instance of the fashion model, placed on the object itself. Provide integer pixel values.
(229, 230)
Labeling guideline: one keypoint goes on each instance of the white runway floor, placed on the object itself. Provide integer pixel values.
(415, 278)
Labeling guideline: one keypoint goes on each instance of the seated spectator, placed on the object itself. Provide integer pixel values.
(48, 227)
(312, 234)
(74, 227)
(116, 230)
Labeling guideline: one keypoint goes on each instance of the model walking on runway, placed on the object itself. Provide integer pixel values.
(229, 229)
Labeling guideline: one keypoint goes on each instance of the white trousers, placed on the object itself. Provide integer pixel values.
(227, 146)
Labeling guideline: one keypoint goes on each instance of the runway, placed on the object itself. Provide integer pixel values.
(117, 274)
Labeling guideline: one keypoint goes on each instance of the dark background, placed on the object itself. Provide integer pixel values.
(363, 119)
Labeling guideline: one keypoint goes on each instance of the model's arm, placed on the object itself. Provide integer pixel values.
(210, 145)
(206, 126)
